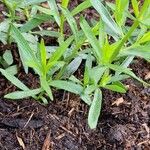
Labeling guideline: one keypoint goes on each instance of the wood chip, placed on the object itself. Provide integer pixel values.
(118, 101)
(29, 119)
(147, 77)
(20, 141)
(71, 112)
(147, 129)
(47, 143)
(60, 136)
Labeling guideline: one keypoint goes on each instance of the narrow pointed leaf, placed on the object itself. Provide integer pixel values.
(14, 80)
(43, 55)
(54, 9)
(67, 86)
(121, 8)
(81, 7)
(140, 51)
(135, 6)
(71, 21)
(58, 53)
(24, 48)
(126, 71)
(46, 87)
(22, 94)
(95, 109)
(106, 17)
(117, 87)
(35, 21)
(91, 38)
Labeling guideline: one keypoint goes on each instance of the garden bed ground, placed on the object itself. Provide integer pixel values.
(62, 125)
(64, 122)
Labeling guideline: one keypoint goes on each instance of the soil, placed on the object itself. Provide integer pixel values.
(124, 123)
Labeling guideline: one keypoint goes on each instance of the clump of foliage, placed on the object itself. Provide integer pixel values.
(108, 47)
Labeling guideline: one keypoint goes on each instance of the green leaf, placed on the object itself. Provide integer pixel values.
(81, 7)
(146, 22)
(88, 66)
(26, 53)
(46, 87)
(126, 71)
(126, 62)
(13, 80)
(86, 98)
(121, 8)
(4, 25)
(43, 56)
(22, 94)
(12, 70)
(135, 6)
(145, 10)
(117, 87)
(65, 3)
(95, 109)
(72, 67)
(42, 9)
(108, 50)
(118, 78)
(26, 3)
(7, 56)
(92, 39)
(96, 73)
(47, 33)
(58, 53)
(90, 89)
(67, 86)
(102, 34)
(140, 51)
(145, 38)
(71, 21)
(44, 100)
(54, 9)
(106, 17)
(74, 79)
(105, 78)
(34, 22)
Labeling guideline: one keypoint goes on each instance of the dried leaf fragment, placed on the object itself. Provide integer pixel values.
(118, 101)
(47, 142)
(147, 77)
(20, 141)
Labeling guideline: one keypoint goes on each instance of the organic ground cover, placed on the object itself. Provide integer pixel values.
(66, 78)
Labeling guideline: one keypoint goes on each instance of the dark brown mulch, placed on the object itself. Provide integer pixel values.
(62, 124)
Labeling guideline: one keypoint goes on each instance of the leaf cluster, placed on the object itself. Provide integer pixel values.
(107, 46)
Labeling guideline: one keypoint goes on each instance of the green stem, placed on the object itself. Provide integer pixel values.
(8, 34)
(65, 5)
(62, 28)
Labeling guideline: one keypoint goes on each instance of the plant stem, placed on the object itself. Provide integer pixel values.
(64, 4)
(116, 52)
(62, 28)
(8, 34)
